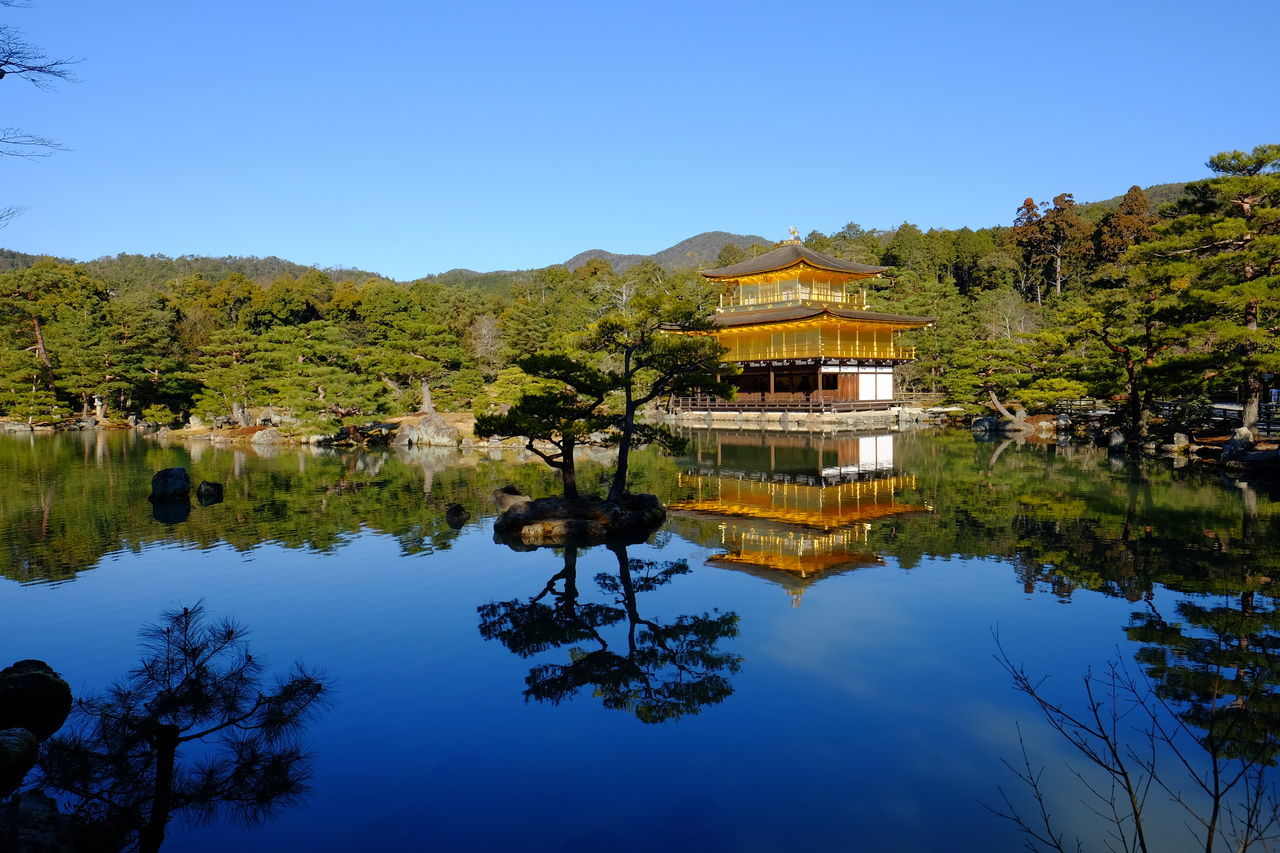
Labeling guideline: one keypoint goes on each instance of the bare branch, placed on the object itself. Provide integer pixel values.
(11, 212)
(19, 58)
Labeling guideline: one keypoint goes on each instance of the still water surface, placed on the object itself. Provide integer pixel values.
(803, 658)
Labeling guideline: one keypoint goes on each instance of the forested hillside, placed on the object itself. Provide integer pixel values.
(1142, 303)
(698, 252)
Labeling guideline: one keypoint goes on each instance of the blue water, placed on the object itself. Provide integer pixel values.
(872, 716)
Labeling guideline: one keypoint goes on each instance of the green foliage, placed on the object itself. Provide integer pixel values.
(1110, 299)
(567, 412)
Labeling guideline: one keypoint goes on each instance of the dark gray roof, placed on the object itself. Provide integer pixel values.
(790, 254)
(803, 312)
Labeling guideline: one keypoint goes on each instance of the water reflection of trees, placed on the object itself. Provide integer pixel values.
(69, 500)
(119, 766)
(1198, 721)
(657, 671)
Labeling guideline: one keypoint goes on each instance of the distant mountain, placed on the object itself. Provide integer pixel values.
(698, 251)
(1157, 194)
(127, 272)
(495, 281)
(12, 260)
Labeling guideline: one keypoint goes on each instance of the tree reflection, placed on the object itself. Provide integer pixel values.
(656, 671)
(1201, 721)
(120, 762)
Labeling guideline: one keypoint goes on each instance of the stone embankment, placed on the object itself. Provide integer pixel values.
(898, 417)
(1240, 450)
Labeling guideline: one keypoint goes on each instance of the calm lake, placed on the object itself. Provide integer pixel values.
(803, 658)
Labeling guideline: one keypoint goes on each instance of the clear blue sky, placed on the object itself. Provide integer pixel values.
(410, 138)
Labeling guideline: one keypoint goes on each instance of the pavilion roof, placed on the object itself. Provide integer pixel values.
(804, 312)
(790, 254)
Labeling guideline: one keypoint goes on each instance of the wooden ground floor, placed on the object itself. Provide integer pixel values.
(812, 384)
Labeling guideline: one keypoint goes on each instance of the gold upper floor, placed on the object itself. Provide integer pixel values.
(823, 336)
(795, 285)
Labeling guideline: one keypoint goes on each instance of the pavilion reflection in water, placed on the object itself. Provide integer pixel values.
(789, 508)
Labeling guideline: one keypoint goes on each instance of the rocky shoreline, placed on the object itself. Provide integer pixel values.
(1239, 450)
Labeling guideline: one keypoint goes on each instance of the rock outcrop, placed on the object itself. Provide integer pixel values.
(33, 697)
(581, 521)
(34, 703)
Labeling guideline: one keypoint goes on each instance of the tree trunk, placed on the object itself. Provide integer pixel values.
(1251, 391)
(995, 401)
(619, 485)
(166, 746)
(40, 350)
(628, 594)
(427, 405)
(568, 469)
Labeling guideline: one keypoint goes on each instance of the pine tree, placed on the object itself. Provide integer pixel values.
(1223, 252)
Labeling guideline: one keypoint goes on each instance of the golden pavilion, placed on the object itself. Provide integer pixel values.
(796, 323)
(789, 508)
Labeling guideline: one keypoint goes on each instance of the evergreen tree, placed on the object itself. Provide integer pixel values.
(1064, 240)
(1129, 224)
(1226, 249)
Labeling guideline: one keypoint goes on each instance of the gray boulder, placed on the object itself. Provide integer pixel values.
(33, 697)
(425, 431)
(270, 435)
(988, 424)
(170, 484)
(1239, 444)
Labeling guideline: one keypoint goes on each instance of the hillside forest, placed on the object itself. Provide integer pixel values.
(1139, 300)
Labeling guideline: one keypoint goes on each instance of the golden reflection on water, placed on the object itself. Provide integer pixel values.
(794, 517)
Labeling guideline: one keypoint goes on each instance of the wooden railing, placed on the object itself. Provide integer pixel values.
(748, 351)
(796, 401)
(921, 398)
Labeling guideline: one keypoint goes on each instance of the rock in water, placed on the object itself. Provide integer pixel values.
(574, 521)
(31, 823)
(209, 493)
(455, 515)
(508, 497)
(33, 697)
(987, 424)
(171, 484)
(18, 748)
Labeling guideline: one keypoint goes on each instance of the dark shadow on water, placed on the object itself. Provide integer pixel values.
(170, 512)
(196, 731)
(656, 671)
